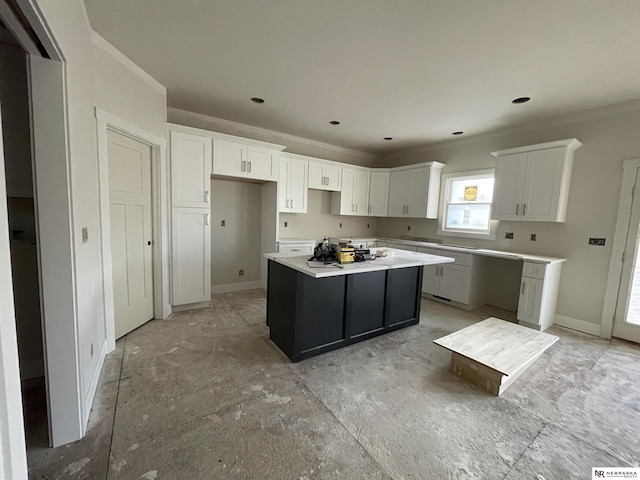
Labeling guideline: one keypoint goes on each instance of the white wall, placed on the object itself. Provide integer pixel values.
(124, 90)
(318, 221)
(235, 246)
(609, 136)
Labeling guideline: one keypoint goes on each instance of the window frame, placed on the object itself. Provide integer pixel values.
(445, 188)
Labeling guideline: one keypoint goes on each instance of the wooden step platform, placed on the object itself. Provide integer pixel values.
(493, 353)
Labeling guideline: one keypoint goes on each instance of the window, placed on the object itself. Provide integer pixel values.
(466, 204)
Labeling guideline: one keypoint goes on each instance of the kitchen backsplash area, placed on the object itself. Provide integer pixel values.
(318, 221)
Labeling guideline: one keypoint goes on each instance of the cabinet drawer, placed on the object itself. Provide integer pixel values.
(301, 248)
(533, 270)
(461, 258)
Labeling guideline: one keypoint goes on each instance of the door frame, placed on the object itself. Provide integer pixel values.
(159, 216)
(630, 168)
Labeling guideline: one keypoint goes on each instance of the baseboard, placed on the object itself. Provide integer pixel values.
(189, 306)
(577, 324)
(33, 368)
(93, 386)
(235, 287)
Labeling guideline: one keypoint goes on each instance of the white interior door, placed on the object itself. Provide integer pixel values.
(130, 213)
(626, 323)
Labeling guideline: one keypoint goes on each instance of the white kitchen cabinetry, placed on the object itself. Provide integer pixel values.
(353, 199)
(538, 294)
(292, 185)
(190, 170)
(379, 192)
(414, 190)
(296, 246)
(191, 255)
(237, 159)
(453, 282)
(532, 183)
(324, 175)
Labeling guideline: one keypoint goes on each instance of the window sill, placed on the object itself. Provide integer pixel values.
(478, 236)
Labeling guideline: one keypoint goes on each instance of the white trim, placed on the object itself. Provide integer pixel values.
(190, 306)
(40, 26)
(95, 377)
(175, 127)
(444, 192)
(235, 287)
(16, 28)
(251, 130)
(568, 143)
(13, 459)
(577, 324)
(619, 244)
(105, 46)
(160, 181)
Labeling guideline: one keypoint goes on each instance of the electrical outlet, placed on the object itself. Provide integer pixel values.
(340, 225)
(85, 235)
(367, 225)
(223, 223)
(533, 237)
(408, 228)
(597, 241)
(240, 272)
(286, 224)
(508, 235)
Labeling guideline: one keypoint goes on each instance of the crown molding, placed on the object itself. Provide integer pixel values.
(105, 46)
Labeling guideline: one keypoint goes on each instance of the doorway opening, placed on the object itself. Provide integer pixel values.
(621, 313)
(22, 214)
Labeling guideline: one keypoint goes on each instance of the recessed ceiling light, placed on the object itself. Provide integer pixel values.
(457, 133)
(521, 100)
(257, 100)
(334, 122)
(388, 138)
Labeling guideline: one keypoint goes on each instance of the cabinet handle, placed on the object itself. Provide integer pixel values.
(243, 165)
(437, 274)
(207, 196)
(206, 219)
(326, 180)
(524, 209)
(292, 203)
(517, 209)
(249, 167)
(286, 203)
(522, 289)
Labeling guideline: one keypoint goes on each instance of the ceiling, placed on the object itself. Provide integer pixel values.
(414, 70)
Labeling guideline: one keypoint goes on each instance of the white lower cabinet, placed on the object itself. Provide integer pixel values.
(191, 255)
(452, 282)
(539, 294)
(297, 248)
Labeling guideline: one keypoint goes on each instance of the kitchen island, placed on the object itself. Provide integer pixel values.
(315, 310)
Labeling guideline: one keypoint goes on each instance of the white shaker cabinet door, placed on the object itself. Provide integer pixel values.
(284, 173)
(191, 255)
(229, 158)
(298, 174)
(530, 300)
(262, 164)
(379, 194)
(542, 186)
(456, 283)
(509, 185)
(332, 174)
(190, 170)
(398, 193)
(361, 192)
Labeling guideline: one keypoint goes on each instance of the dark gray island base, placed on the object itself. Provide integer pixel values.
(308, 316)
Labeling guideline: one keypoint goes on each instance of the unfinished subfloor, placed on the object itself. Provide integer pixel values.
(205, 395)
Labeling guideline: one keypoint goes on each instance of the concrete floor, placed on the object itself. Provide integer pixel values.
(205, 395)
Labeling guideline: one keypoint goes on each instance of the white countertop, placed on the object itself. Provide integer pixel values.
(478, 251)
(296, 240)
(400, 259)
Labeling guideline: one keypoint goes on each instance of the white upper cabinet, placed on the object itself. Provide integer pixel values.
(190, 170)
(379, 193)
(414, 190)
(324, 175)
(353, 199)
(532, 182)
(237, 159)
(292, 184)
